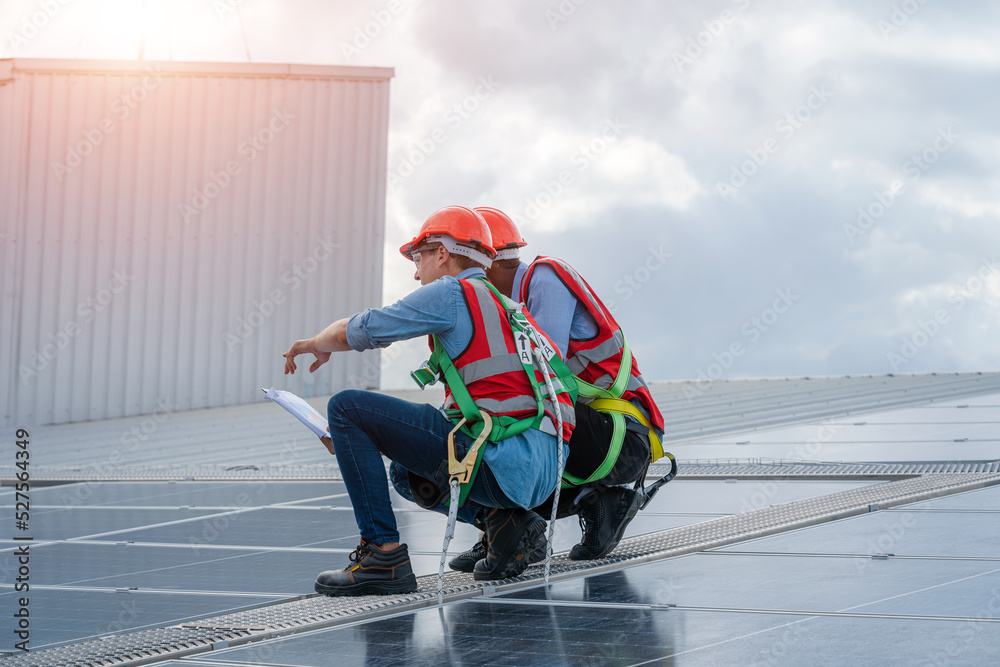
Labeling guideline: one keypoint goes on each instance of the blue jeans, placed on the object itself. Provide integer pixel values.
(365, 425)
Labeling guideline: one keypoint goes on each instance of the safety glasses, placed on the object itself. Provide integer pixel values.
(415, 254)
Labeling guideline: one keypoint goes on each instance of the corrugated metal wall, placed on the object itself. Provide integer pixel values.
(167, 230)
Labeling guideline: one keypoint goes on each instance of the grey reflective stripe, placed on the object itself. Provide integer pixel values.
(598, 353)
(568, 417)
(556, 384)
(575, 365)
(603, 382)
(568, 413)
(513, 404)
(517, 403)
(639, 383)
(634, 383)
(494, 327)
(486, 368)
(547, 426)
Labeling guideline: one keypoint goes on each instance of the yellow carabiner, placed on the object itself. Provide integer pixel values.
(461, 471)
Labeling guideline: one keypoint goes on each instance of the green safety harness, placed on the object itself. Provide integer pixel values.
(610, 402)
(478, 424)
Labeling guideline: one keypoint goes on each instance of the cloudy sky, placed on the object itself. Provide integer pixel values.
(757, 188)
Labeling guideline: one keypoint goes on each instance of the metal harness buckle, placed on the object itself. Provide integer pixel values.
(461, 471)
(424, 376)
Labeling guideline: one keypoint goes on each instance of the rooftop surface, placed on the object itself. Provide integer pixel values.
(848, 520)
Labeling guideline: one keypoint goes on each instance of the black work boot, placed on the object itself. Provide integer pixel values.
(372, 571)
(466, 561)
(604, 515)
(511, 535)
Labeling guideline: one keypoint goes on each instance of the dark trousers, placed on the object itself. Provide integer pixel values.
(588, 448)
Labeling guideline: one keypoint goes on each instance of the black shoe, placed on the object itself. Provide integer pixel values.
(604, 515)
(372, 571)
(466, 561)
(511, 535)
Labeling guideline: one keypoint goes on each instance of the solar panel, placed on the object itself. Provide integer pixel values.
(814, 595)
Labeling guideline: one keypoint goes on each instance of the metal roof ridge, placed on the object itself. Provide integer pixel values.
(219, 68)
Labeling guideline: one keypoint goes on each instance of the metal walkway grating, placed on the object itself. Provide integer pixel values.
(150, 646)
(815, 470)
(692, 469)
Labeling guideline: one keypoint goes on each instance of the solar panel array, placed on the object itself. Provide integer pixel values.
(910, 584)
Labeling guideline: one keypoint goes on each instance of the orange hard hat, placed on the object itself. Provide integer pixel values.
(506, 236)
(462, 225)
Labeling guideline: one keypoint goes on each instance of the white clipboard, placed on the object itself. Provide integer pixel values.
(301, 410)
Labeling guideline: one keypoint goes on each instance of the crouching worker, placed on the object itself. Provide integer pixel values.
(496, 421)
(618, 425)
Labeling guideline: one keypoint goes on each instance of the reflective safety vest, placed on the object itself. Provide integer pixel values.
(498, 374)
(610, 377)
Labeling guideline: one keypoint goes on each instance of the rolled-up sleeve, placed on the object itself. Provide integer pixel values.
(358, 336)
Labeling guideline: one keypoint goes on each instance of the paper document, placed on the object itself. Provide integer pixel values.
(301, 410)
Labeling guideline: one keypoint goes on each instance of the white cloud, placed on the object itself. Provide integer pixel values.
(685, 131)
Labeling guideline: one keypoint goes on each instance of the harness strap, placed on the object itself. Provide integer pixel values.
(477, 423)
(622, 407)
(615, 448)
(617, 388)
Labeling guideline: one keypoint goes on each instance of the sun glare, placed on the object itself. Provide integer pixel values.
(158, 29)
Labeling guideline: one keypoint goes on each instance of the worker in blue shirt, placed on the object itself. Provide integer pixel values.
(515, 474)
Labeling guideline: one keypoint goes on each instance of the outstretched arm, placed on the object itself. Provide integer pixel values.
(322, 345)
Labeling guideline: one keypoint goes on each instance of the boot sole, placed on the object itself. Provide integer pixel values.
(511, 566)
(407, 584)
(630, 512)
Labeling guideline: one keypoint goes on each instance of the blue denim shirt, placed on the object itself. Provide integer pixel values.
(524, 465)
